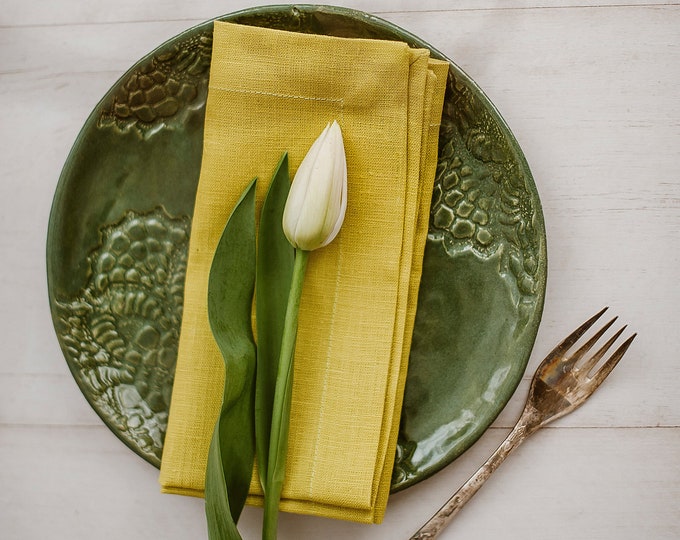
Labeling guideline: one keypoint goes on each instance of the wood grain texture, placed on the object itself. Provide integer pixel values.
(589, 90)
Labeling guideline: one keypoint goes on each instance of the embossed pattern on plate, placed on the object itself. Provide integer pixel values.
(118, 238)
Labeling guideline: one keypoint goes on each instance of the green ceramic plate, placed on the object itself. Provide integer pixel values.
(120, 221)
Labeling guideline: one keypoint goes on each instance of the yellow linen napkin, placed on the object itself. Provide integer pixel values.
(272, 91)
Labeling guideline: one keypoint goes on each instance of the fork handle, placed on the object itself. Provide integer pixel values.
(524, 427)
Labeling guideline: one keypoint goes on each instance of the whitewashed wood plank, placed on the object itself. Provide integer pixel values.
(82, 483)
(570, 483)
(44, 399)
(563, 484)
(41, 13)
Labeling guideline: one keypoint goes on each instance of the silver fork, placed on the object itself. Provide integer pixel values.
(561, 384)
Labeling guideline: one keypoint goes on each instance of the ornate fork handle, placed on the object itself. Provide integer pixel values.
(528, 423)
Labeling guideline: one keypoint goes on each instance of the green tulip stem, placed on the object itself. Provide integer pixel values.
(278, 445)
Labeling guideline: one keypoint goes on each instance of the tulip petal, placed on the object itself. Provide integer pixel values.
(317, 201)
(340, 185)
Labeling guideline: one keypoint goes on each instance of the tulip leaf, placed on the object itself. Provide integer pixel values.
(230, 295)
(275, 258)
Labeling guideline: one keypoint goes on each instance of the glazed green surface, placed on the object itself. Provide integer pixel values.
(120, 222)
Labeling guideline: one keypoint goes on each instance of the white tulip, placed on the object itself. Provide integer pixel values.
(316, 204)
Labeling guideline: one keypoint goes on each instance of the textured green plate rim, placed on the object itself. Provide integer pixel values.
(120, 220)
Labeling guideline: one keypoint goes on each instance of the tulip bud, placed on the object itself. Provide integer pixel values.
(316, 204)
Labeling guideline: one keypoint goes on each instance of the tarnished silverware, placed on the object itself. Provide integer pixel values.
(561, 384)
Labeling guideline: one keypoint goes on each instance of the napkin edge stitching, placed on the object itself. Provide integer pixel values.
(277, 94)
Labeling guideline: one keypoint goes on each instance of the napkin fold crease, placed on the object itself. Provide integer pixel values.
(272, 91)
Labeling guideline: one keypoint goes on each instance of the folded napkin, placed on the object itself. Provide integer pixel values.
(272, 91)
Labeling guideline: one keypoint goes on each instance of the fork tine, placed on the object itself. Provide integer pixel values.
(591, 362)
(589, 344)
(610, 364)
(572, 338)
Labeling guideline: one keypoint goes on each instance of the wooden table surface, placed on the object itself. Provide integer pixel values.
(591, 91)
